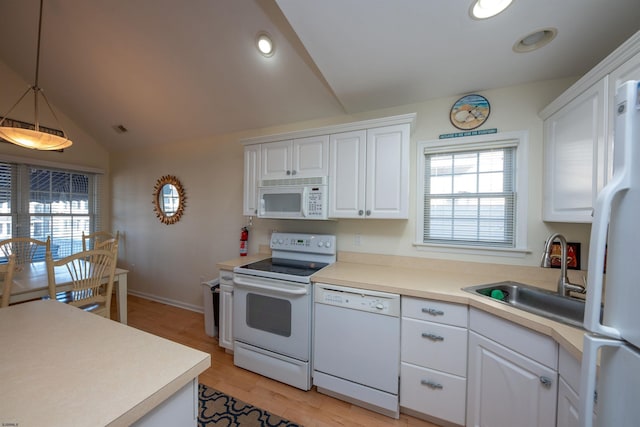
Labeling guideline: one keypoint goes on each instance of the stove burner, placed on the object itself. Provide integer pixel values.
(286, 266)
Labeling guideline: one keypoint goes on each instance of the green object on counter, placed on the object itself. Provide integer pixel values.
(497, 294)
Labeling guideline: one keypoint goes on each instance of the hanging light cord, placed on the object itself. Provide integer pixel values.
(35, 87)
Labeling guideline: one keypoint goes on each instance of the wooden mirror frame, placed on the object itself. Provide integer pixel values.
(157, 193)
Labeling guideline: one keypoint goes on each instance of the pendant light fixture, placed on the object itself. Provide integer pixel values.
(34, 138)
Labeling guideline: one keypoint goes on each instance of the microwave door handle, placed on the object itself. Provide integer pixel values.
(305, 200)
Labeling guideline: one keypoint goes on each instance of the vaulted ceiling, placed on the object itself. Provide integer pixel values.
(171, 70)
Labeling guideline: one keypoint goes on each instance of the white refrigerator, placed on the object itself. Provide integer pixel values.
(612, 341)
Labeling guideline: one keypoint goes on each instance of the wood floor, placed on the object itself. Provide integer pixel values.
(309, 408)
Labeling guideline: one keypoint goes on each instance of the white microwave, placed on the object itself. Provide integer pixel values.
(294, 198)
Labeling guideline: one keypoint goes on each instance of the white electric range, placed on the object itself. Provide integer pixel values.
(272, 307)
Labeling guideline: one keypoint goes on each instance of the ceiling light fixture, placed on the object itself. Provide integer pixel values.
(265, 44)
(535, 40)
(36, 138)
(483, 9)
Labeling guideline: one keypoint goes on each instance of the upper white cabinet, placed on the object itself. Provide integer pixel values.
(578, 136)
(251, 176)
(575, 156)
(298, 158)
(369, 173)
(367, 164)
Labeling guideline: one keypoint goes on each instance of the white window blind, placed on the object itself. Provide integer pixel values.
(470, 197)
(42, 202)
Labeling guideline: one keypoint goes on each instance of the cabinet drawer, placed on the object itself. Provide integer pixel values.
(436, 346)
(433, 393)
(435, 311)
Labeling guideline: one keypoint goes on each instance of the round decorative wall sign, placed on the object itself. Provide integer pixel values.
(469, 112)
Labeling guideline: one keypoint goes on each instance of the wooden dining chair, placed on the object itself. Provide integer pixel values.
(25, 249)
(6, 279)
(99, 239)
(87, 271)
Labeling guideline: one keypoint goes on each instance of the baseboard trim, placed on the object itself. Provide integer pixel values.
(168, 301)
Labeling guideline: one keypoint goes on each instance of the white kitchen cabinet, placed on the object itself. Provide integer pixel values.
(578, 136)
(512, 378)
(568, 390)
(225, 326)
(297, 158)
(369, 173)
(575, 156)
(251, 177)
(433, 357)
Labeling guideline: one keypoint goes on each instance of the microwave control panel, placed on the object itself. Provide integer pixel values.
(316, 203)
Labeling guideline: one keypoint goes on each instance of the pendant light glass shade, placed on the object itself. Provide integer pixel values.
(34, 138)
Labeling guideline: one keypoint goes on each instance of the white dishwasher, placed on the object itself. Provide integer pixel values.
(356, 346)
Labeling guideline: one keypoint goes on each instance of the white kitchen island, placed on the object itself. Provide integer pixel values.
(61, 366)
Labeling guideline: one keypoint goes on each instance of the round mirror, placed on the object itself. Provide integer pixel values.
(168, 199)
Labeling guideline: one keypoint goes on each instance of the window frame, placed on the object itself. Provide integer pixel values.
(520, 141)
(21, 195)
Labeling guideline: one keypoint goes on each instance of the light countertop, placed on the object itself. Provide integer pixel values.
(443, 281)
(62, 366)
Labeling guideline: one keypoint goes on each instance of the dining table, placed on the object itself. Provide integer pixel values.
(30, 282)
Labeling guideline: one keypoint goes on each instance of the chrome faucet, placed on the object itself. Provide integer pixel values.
(564, 285)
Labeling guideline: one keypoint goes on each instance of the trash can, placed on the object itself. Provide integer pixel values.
(211, 297)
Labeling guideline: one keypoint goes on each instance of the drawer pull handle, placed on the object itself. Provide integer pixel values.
(431, 384)
(432, 337)
(546, 381)
(433, 311)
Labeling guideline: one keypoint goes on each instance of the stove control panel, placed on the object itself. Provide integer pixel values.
(301, 242)
(357, 299)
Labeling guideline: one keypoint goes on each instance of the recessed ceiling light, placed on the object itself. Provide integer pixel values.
(483, 9)
(265, 44)
(535, 40)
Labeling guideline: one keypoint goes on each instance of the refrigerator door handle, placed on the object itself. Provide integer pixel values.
(621, 181)
(588, 375)
(597, 248)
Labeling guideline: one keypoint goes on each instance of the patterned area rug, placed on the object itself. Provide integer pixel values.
(219, 409)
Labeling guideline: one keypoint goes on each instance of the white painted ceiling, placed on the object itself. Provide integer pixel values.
(171, 70)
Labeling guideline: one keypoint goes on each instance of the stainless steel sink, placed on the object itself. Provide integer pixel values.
(534, 300)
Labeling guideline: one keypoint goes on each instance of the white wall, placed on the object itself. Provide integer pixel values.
(169, 261)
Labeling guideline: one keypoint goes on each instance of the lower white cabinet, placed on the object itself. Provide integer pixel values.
(433, 356)
(513, 377)
(225, 326)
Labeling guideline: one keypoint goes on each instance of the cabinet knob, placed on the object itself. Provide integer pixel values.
(546, 381)
(288, 172)
(433, 311)
(294, 172)
(368, 212)
(360, 212)
(431, 384)
(432, 337)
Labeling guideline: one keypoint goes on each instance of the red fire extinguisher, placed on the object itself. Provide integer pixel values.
(244, 237)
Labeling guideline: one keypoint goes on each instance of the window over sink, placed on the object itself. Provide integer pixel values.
(472, 193)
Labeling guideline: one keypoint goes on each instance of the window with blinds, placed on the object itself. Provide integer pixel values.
(472, 193)
(41, 202)
(470, 197)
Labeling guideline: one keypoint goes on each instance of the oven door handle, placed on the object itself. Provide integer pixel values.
(239, 282)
